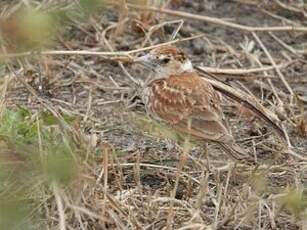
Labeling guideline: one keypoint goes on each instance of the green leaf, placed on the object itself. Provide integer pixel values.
(49, 119)
(59, 164)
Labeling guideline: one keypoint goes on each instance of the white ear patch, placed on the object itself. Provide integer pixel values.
(187, 66)
(161, 57)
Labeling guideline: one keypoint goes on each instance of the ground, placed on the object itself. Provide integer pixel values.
(128, 166)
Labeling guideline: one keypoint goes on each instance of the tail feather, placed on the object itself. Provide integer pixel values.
(235, 151)
(247, 101)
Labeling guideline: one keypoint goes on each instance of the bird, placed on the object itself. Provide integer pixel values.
(176, 95)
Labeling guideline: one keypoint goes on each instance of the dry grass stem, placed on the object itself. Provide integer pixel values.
(291, 8)
(281, 76)
(218, 20)
(60, 206)
(242, 71)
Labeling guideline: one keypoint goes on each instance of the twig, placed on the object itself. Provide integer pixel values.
(174, 34)
(286, 134)
(123, 56)
(281, 76)
(160, 25)
(218, 20)
(271, 86)
(158, 166)
(165, 43)
(290, 8)
(105, 180)
(26, 3)
(107, 43)
(259, 214)
(283, 19)
(59, 206)
(4, 88)
(116, 206)
(181, 164)
(89, 105)
(218, 203)
(88, 213)
(123, 14)
(241, 71)
(283, 44)
(69, 52)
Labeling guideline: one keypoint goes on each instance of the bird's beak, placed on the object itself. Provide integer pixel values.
(145, 60)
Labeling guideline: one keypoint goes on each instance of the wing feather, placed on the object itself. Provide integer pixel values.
(178, 99)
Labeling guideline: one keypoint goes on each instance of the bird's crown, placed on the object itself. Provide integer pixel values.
(170, 52)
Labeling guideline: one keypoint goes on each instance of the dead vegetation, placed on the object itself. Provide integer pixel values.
(78, 152)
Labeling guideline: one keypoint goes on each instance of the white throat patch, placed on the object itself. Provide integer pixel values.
(187, 66)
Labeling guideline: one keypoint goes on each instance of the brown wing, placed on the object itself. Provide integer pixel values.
(179, 100)
(245, 100)
(167, 103)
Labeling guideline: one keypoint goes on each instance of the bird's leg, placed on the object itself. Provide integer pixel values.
(206, 155)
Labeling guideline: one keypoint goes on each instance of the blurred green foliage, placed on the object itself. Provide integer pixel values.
(91, 6)
(258, 182)
(164, 131)
(34, 153)
(295, 201)
(29, 28)
(37, 28)
(12, 212)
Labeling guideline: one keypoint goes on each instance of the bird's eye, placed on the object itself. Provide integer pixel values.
(165, 60)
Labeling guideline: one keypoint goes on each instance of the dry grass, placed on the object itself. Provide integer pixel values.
(78, 152)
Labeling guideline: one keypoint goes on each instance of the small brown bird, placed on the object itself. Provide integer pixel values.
(175, 94)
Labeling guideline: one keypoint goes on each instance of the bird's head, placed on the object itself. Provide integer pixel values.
(165, 61)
